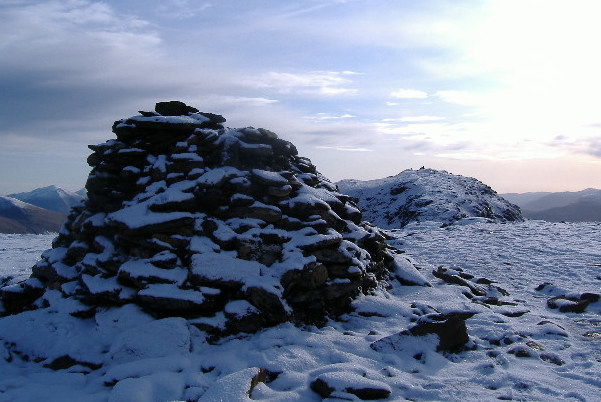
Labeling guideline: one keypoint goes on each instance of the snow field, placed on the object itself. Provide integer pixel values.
(542, 355)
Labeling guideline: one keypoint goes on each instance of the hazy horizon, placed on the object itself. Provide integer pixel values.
(501, 91)
(82, 187)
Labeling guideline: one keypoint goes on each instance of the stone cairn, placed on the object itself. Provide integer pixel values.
(229, 228)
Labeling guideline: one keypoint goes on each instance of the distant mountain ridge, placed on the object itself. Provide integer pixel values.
(427, 195)
(392, 202)
(20, 217)
(571, 206)
(52, 198)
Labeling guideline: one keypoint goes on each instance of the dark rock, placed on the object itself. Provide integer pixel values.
(522, 351)
(450, 328)
(455, 279)
(590, 297)
(572, 304)
(351, 383)
(20, 296)
(320, 387)
(264, 376)
(174, 108)
(550, 358)
(66, 361)
(517, 313)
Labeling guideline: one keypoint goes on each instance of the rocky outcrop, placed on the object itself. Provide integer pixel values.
(228, 228)
(567, 302)
(427, 195)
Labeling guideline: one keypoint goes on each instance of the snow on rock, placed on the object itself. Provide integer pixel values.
(427, 195)
(165, 337)
(235, 387)
(157, 387)
(185, 216)
(333, 384)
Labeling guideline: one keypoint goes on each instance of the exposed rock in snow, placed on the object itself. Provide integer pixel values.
(427, 195)
(229, 228)
(335, 384)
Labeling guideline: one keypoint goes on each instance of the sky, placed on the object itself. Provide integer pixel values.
(503, 91)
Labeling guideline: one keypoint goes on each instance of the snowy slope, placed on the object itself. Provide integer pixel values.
(20, 217)
(521, 350)
(52, 197)
(427, 195)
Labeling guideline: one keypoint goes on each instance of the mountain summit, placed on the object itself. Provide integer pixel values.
(52, 198)
(427, 195)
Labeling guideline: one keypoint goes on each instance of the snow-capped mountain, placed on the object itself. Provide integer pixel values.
(427, 195)
(571, 206)
(52, 197)
(20, 217)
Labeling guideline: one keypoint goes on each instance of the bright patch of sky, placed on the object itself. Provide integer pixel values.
(504, 91)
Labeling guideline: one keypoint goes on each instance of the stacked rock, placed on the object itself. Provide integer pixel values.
(229, 228)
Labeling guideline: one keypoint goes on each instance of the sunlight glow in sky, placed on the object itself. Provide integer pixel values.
(504, 91)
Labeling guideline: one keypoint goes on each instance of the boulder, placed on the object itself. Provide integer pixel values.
(450, 329)
(572, 303)
(352, 383)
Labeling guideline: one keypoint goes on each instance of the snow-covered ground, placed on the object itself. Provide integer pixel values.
(19, 252)
(540, 355)
(517, 255)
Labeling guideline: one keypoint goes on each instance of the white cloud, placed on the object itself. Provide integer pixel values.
(182, 9)
(330, 116)
(409, 94)
(345, 148)
(80, 38)
(416, 119)
(308, 83)
(244, 101)
(465, 98)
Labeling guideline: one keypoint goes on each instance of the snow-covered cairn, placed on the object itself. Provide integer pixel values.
(229, 228)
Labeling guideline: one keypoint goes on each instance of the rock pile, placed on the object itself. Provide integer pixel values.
(229, 228)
